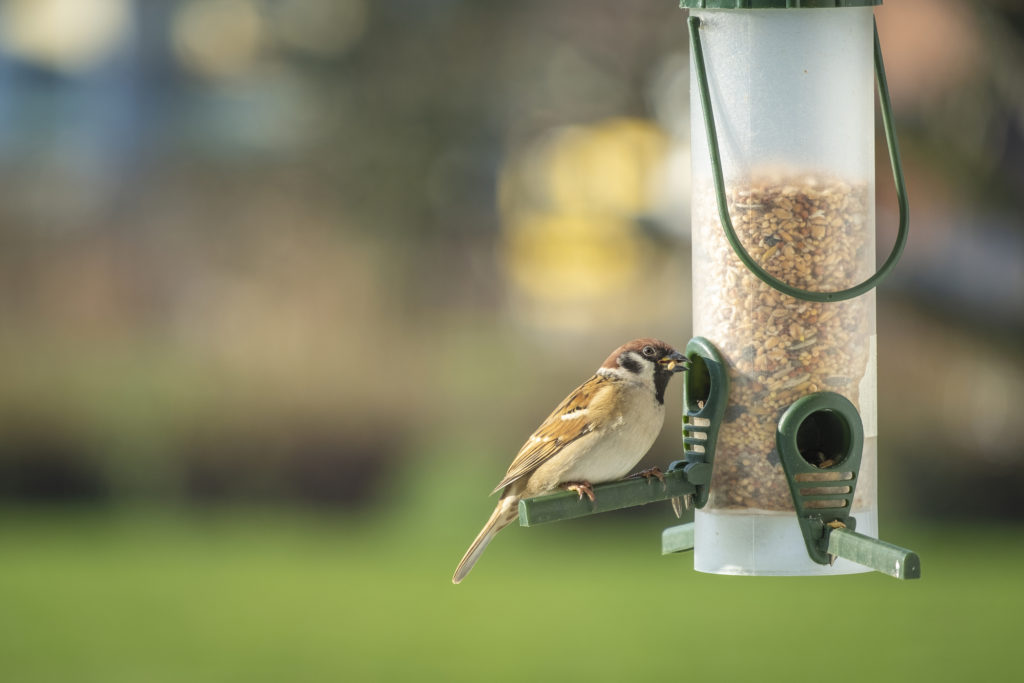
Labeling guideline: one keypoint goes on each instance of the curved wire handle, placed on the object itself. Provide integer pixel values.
(723, 209)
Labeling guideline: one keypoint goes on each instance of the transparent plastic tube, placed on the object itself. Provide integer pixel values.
(793, 96)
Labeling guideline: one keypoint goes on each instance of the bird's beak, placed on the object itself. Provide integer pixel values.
(675, 362)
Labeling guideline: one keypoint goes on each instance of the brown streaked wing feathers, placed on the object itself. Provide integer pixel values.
(534, 453)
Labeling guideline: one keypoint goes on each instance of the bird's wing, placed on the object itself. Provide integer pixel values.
(574, 418)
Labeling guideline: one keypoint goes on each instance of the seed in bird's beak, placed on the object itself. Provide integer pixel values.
(675, 362)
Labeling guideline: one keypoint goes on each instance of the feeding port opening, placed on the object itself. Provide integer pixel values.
(824, 439)
(698, 383)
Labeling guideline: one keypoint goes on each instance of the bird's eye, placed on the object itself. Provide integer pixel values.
(649, 351)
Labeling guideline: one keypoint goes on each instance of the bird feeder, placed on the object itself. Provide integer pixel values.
(783, 226)
(780, 415)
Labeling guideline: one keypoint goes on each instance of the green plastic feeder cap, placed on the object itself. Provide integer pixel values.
(775, 4)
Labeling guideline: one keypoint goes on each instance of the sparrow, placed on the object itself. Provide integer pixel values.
(597, 434)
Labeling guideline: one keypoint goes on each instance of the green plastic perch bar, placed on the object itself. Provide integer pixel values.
(611, 496)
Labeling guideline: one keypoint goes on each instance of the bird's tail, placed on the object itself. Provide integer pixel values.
(504, 514)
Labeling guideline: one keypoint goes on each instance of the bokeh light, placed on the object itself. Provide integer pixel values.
(218, 38)
(325, 28)
(66, 35)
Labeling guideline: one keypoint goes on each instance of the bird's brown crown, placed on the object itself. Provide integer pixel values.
(638, 346)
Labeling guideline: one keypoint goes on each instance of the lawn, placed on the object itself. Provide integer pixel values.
(258, 594)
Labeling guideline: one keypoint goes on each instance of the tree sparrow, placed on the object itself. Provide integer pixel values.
(597, 434)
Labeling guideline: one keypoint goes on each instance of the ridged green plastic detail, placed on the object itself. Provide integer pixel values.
(820, 439)
(705, 396)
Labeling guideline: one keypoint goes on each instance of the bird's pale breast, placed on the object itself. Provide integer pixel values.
(610, 453)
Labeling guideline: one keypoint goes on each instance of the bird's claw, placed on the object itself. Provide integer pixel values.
(682, 503)
(648, 474)
(580, 488)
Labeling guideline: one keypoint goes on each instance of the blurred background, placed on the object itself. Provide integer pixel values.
(284, 284)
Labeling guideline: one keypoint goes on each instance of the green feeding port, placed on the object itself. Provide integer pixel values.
(820, 439)
(705, 397)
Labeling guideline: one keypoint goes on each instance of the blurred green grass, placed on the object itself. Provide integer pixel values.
(272, 594)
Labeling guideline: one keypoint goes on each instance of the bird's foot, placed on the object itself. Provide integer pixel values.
(648, 474)
(580, 488)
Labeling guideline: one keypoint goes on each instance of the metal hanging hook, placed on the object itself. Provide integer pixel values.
(697, 53)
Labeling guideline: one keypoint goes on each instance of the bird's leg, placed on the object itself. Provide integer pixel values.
(580, 488)
(648, 474)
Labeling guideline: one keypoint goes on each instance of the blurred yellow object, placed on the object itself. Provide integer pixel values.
(570, 204)
(606, 168)
(564, 257)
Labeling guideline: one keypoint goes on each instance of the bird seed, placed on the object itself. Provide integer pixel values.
(813, 233)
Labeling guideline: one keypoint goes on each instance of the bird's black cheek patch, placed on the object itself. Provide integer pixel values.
(630, 363)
